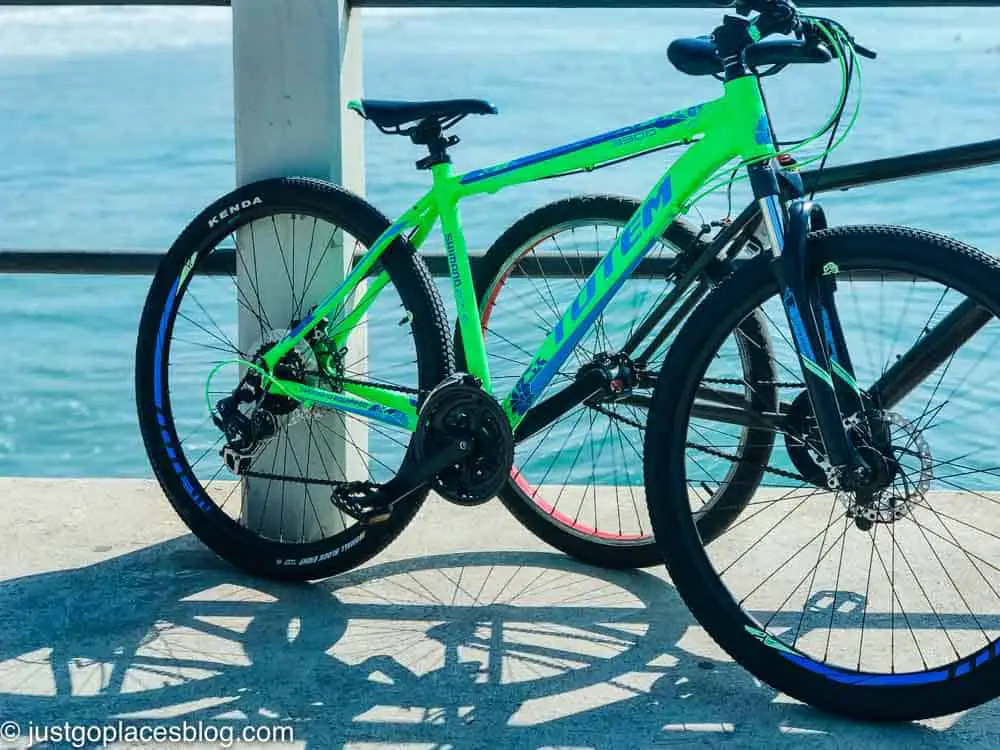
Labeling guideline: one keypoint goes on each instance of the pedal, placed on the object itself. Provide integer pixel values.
(363, 501)
(376, 518)
(240, 462)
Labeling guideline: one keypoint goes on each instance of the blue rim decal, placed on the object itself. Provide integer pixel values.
(160, 343)
(866, 679)
(870, 680)
(184, 475)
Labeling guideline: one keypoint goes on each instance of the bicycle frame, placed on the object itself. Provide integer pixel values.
(733, 126)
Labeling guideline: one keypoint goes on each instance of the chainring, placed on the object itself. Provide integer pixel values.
(459, 408)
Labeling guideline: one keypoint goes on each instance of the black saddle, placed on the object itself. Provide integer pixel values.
(388, 115)
(700, 57)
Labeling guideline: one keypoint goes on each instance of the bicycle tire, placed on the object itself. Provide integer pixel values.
(409, 276)
(875, 696)
(528, 504)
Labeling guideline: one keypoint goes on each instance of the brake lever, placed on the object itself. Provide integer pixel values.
(864, 51)
(810, 33)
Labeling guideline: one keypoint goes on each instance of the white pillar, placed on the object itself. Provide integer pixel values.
(296, 64)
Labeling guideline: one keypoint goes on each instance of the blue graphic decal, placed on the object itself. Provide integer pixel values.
(530, 385)
(798, 326)
(828, 333)
(524, 395)
(666, 121)
(384, 414)
(533, 382)
(762, 134)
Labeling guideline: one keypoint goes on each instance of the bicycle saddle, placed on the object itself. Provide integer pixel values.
(393, 114)
(698, 56)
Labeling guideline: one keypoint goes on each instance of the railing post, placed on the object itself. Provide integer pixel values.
(295, 65)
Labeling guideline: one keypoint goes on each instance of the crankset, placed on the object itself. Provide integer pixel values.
(462, 448)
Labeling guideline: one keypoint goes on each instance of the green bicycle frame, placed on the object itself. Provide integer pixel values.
(733, 126)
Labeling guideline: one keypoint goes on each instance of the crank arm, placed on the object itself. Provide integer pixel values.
(409, 481)
(547, 411)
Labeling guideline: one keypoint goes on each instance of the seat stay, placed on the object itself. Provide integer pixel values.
(420, 217)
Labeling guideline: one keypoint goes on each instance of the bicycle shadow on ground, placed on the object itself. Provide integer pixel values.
(485, 649)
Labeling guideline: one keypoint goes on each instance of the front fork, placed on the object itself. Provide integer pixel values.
(808, 300)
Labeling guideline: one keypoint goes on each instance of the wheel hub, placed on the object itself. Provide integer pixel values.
(891, 489)
(618, 372)
(252, 415)
(900, 489)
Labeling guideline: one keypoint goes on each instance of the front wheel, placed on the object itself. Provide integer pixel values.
(237, 280)
(577, 484)
(881, 605)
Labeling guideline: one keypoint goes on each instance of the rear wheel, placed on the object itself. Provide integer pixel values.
(884, 606)
(577, 484)
(239, 278)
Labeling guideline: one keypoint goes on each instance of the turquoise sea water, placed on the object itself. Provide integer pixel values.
(117, 129)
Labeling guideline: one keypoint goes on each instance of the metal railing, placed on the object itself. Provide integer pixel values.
(128, 263)
(540, 3)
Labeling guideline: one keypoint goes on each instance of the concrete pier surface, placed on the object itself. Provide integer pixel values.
(466, 633)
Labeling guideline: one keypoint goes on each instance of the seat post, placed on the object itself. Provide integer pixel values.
(428, 133)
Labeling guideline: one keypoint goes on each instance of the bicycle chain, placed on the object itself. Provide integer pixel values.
(295, 480)
(734, 381)
(737, 459)
(704, 449)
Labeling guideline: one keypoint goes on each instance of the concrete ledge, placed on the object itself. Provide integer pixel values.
(466, 633)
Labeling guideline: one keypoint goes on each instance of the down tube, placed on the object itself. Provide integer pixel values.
(643, 230)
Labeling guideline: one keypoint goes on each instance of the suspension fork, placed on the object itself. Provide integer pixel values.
(817, 335)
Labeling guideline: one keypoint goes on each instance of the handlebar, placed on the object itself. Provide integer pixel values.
(774, 17)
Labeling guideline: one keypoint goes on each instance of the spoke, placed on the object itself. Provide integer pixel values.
(951, 580)
(893, 601)
(319, 263)
(229, 347)
(823, 553)
(552, 464)
(916, 579)
(224, 338)
(836, 585)
(868, 587)
(256, 277)
(815, 570)
(748, 549)
(312, 239)
(781, 567)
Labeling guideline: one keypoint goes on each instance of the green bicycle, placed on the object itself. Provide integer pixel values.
(313, 410)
